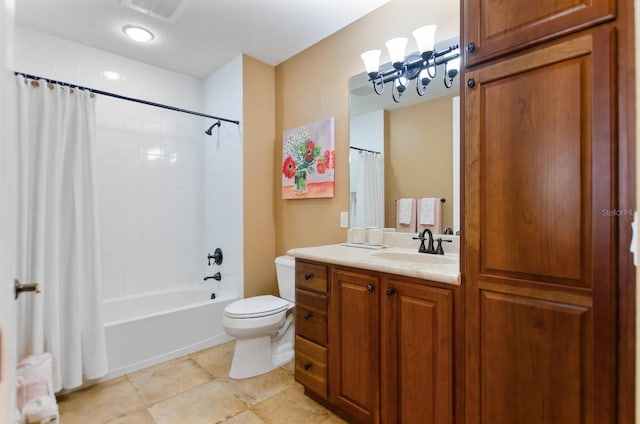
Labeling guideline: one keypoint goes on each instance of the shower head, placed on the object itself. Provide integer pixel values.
(216, 124)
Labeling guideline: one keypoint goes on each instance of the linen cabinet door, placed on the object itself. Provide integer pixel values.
(354, 345)
(416, 353)
(495, 27)
(540, 282)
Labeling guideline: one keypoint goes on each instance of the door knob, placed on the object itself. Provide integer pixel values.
(306, 366)
(370, 288)
(29, 287)
(389, 291)
(308, 315)
(308, 277)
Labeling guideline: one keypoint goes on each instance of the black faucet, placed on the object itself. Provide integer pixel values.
(429, 248)
(422, 248)
(215, 276)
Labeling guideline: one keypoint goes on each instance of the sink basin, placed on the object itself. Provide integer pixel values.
(416, 258)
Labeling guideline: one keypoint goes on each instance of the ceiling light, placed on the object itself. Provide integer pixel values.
(112, 75)
(137, 33)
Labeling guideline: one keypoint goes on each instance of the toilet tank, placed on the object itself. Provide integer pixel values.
(286, 274)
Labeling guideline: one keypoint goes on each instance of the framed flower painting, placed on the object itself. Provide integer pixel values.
(308, 160)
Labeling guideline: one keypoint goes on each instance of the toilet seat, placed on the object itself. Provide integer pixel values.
(256, 307)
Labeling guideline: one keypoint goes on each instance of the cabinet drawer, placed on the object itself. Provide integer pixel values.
(310, 300)
(311, 325)
(311, 276)
(311, 366)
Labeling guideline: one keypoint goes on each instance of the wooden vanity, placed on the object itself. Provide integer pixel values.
(374, 346)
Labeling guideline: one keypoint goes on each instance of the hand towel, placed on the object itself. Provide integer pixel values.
(427, 211)
(406, 209)
(41, 410)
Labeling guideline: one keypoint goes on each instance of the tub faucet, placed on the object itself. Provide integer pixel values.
(215, 276)
(429, 248)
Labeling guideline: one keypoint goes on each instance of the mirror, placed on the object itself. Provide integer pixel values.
(401, 150)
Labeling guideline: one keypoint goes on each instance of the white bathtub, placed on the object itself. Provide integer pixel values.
(147, 329)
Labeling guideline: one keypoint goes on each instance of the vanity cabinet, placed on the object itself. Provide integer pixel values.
(390, 347)
(496, 27)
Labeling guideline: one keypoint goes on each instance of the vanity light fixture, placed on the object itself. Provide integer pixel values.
(421, 66)
(137, 33)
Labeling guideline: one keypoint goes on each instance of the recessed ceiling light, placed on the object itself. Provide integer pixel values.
(112, 75)
(137, 33)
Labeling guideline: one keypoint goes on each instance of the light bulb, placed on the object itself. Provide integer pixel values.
(371, 60)
(396, 48)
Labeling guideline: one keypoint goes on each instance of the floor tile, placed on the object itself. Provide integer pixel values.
(101, 403)
(289, 367)
(246, 417)
(292, 406)
(208, 403)
(216, 360)
(140, 417)
(256, 389)
(163, 381)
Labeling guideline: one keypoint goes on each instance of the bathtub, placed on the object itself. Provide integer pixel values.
(144, 330)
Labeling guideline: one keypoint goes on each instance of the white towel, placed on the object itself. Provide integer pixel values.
(427, 211)
(406, 209)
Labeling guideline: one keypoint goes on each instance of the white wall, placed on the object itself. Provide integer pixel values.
(223, 175)
(153, 164)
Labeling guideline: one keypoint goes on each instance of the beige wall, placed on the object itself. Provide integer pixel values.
(418, 156)
(313, 85)
(258, 150)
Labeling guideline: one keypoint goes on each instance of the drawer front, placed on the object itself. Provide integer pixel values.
(310, 300)
(311, 325)
(311, 366)
(311, 276)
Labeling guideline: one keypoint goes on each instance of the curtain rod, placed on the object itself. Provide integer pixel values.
(118, 96)
(364, 150)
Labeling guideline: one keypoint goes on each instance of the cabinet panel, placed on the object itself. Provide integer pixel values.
(535, 360)
(497, 26)
(417, 353)
(539, 172)
(354, 343)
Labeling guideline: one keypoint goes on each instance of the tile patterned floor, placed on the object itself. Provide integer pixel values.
(195, 389)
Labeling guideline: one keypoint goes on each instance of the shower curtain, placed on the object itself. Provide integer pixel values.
(57, 244)
(370, 191)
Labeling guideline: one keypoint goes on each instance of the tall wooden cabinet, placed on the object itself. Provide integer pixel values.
(541, 139)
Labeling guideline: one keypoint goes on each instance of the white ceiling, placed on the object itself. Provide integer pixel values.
(203, 35)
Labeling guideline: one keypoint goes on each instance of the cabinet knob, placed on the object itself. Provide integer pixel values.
(308, 277)
(370, 288)
(308, 315)
(471, 46)
(471, 83)
(307, 366)
(390, 291)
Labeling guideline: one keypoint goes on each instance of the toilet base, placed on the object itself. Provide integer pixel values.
(260, 355)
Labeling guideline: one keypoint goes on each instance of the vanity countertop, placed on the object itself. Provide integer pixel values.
(392, 260)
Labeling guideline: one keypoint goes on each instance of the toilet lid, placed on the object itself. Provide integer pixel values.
(255, 307)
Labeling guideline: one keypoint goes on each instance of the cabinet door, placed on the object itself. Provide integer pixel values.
(539, 244)
(353, 342)
(416, 353)
(497, 26)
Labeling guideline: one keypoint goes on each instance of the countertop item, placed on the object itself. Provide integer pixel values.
(394, 260)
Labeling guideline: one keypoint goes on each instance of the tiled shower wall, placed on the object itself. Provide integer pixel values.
(152, 169)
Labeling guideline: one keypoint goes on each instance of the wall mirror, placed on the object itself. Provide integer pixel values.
(400, 150)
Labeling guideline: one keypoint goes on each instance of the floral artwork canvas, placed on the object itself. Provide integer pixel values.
(308, 160)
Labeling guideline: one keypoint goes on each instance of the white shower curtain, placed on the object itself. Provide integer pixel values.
(57, 244)
(370, 191)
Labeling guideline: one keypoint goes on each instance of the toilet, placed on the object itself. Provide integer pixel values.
(263, 326)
